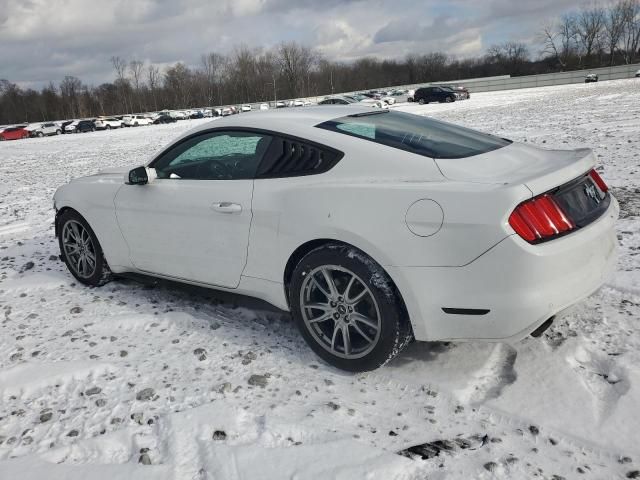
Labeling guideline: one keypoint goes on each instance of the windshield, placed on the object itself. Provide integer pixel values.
(416, 134)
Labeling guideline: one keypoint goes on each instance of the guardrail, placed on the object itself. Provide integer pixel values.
(506, 82)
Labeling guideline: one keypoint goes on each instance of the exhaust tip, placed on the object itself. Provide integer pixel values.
(542, 328)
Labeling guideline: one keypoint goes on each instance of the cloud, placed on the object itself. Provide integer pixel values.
(44, 40)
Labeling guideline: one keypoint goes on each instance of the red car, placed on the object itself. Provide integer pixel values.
(14, 133)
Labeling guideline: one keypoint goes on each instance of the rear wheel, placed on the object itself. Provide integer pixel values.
(347, 308)
(421, 101)
(81, 251)
(448, 100)
(108, 127)
(40, 134)
(58, 132)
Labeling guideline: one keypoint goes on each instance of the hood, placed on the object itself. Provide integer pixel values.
(109, 175)
(539, 169)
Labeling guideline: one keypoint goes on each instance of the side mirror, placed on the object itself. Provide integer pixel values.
(137, 176)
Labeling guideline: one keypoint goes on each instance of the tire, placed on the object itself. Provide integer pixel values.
(58, 132)
(71, 226)
(40, 134)
(421, 101)
(108, 127)
(135, 124)
(360, 288)
(448, 100)
(93, 129)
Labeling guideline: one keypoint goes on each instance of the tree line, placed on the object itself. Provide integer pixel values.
(592, 37)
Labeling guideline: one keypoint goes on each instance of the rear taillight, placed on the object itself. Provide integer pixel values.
(540, 218)
(595, 176)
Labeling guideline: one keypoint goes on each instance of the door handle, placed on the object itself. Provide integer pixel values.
(227, 207)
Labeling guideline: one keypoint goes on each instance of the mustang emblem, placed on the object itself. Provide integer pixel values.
(591, 192)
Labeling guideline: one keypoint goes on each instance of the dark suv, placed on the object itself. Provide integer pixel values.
(434, 94)
(85, 126)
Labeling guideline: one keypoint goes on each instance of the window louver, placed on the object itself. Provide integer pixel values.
(289, 158)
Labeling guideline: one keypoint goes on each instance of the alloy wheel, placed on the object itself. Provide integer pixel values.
(79, 249)
(340, 311)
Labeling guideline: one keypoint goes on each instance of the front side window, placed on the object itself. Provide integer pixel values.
(214, 156)
(416, 134)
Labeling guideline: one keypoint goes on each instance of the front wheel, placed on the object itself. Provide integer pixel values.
(108, 127)
(448, 100)
(348, 309)
(81, 251)
(421, 101)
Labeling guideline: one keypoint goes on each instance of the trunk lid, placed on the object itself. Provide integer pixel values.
(537, 168)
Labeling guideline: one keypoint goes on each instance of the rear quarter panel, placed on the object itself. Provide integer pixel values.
(368, 211)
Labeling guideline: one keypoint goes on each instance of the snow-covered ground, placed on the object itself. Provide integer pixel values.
(161, 381)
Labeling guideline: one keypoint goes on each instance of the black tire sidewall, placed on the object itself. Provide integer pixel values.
(98, 276)
(393, 319)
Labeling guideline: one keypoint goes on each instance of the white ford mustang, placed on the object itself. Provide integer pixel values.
(373, 227)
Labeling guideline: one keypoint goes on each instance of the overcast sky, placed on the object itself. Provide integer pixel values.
(44, 40)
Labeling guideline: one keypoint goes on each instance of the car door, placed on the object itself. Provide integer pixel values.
(193, 221)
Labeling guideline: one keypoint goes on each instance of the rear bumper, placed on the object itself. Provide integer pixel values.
(521, 285)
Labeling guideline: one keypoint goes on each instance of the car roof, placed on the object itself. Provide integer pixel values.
(298, 122)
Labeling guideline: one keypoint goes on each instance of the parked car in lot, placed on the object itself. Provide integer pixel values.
(434, 94)
(461, 92)
(410, 94)
(64, 125)
(337, 100)
(70, 127)
(591, 78)
(264, 106)
(107, 123)
(280, 105)
(45, 129)
(84, 126)
(638, 74)
(162, 119)
(246, 108)
(355, 215)
(135, 120)
(17, 132)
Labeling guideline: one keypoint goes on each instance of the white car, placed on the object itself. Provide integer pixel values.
(373, 227)
(107, 123)
(637, 73)
(264, 106)
(136, 120)
(362, 99)
(245, 108)
(44, 129)
(71, 127)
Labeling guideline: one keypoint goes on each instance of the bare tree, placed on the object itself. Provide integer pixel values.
(295, 63)
(136, 67)
(153, 79)
(212, 67)
(510, 55)
(70, 89)
(120, 66)
(631, 33)
(589, 27)
(613, 28)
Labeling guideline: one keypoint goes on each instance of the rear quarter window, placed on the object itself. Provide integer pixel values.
(416, 134)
